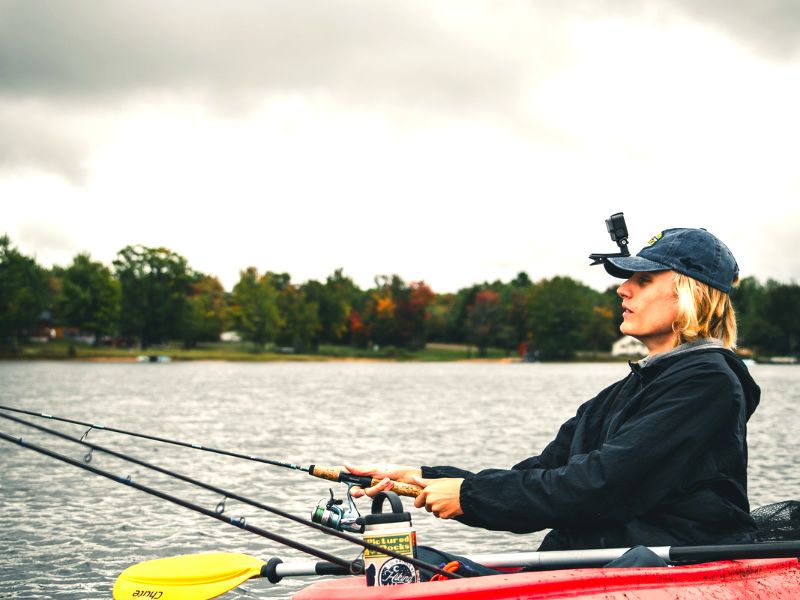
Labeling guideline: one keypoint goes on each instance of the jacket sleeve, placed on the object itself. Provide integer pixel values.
(631, 471)
(439, 472)
(554, 455)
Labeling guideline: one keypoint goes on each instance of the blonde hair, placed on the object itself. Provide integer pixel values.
(703, 312)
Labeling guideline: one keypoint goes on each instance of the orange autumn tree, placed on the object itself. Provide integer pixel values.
(394, 314)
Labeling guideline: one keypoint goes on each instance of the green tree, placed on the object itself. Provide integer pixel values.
(299, 319)
(89, 297)
(749, 302)
(560, 311)
(484, 320)
(438, 322)
(781, 334)
(155, 284)
(611, 301)
(522, 281)
(24, 293)
(457, 326)
(255, 308)
(336, 299)
(600, 333)
(516, 301)
(206, 314)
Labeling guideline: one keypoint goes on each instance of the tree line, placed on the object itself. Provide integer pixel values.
(151, 296)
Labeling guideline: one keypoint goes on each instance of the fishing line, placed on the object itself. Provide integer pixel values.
(154, 438)
(240, 522)
(225, 493)
(329, 473)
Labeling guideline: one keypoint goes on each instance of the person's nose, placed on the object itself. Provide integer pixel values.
(624, 290)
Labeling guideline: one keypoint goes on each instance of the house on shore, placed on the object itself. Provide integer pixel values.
(628, 346)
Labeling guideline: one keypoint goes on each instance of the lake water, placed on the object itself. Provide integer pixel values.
(66, 533)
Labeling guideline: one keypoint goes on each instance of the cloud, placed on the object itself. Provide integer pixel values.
(416, 61)
(410, 62)
(769, 27)
(48, 242)
(37, 137)
(445, 55)
(400, 52)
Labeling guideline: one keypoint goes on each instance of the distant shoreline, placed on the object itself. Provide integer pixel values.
(266, 357)
(434, 352)
(60, 350)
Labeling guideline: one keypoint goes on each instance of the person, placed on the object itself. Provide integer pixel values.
(658, 458)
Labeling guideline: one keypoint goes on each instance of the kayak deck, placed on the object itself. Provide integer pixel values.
(765, 578)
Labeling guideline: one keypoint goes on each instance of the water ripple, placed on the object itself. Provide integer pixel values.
(66, 533)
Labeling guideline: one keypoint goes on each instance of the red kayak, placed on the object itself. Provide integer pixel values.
(777, 578)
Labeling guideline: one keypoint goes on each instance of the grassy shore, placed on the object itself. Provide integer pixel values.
(62, 350)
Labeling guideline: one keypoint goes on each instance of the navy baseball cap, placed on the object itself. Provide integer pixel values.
(692, 252)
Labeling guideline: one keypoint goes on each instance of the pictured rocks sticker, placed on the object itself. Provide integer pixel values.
(655, 238)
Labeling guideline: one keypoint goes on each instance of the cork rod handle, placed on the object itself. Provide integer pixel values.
(402, 489)
(337, 474)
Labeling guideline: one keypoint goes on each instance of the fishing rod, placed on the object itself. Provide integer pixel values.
(329, 473)
(220, 508)
(240, 522)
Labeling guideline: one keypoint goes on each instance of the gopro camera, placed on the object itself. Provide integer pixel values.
(615, 224)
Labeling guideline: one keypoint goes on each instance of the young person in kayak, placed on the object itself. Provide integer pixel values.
(656, 459)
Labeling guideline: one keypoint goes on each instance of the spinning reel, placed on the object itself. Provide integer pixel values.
(331, 513)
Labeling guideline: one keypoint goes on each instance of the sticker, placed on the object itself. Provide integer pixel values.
(655, 238)
(401, 543)
(396, 572)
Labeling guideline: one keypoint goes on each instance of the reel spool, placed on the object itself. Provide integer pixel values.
(331, 513)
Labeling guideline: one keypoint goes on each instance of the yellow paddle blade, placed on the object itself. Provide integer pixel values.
(187, 577)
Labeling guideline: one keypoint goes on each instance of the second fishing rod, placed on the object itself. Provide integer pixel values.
(323, 472)
(227, 494)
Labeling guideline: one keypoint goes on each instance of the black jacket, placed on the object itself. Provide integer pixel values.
(658, 458)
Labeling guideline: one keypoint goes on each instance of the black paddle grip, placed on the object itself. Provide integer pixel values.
(270, 570)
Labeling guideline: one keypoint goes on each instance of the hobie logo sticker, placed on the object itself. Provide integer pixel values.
(396, 572)
(655, 238)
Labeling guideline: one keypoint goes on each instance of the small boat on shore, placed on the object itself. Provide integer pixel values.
(777, 578)
(153, 358)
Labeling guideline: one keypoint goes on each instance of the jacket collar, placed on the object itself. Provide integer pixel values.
(700, 344)
(652, 363)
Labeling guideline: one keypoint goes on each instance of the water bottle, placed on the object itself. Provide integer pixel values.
(393, 531)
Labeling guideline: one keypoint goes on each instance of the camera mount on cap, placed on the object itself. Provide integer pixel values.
(619, 234)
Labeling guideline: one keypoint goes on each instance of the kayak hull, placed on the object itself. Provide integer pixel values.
(725, 580)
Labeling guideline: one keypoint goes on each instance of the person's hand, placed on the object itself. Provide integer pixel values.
(386, 473)
(442, 497)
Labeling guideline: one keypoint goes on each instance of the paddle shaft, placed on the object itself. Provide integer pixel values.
(563, 559)
(574, 559)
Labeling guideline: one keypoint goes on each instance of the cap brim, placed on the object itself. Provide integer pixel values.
(625, 266)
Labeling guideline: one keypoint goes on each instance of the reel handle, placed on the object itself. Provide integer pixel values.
(364, 481)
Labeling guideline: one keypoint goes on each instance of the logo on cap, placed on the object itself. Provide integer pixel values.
(655, 238)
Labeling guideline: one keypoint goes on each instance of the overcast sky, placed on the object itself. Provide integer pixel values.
(445, 141)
